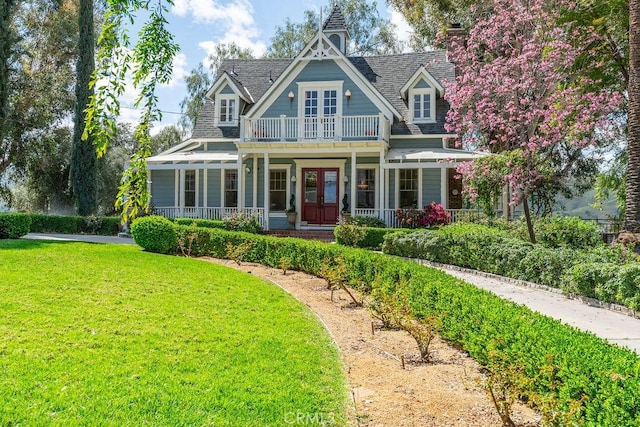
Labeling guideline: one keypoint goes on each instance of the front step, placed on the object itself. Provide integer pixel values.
(321, 235)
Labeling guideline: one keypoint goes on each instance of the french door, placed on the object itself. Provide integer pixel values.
(320, 196)
(320, 109)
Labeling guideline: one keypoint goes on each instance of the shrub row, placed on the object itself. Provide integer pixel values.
(14, 226)
(18, 224)
(564, 231)
(364, 237)
(585, 272)
(236, 222)
(572, 377)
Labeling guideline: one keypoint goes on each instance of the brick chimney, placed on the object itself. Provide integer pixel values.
(455, 35)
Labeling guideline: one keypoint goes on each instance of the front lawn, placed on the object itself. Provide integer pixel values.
(111, 335)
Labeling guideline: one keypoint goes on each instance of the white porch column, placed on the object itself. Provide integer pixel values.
(205, 186)
(255, 181)
(354, 177)
(181, 192)
(240, 167)
(266, 191)
(381, 187)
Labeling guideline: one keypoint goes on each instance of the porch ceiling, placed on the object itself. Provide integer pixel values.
(418, 154)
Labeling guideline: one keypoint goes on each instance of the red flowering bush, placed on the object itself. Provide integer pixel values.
(432, 214)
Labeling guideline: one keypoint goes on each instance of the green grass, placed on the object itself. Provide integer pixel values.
(111, 335)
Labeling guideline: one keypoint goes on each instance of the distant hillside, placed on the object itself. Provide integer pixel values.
(583, 206)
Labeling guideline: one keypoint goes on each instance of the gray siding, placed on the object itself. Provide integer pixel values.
(162, 188)
(213, 188)
(319, 71)
(421, 84)
(226, 90)
(279, 223)
(248, 183)
(416, 143)
(200, 187)
(431, 186)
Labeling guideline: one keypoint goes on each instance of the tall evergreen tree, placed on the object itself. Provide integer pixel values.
(83, 158)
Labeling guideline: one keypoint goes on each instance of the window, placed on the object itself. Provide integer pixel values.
(278, 189)
(190, 188)
(227, 110)
(408, 180)
(422, 105)
(321, 102)
(231, 188)
(366, 189)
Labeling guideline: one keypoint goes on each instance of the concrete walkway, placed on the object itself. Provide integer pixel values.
(615, 327)
(80, 238)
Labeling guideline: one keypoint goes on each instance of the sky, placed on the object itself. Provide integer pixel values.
(198, 25)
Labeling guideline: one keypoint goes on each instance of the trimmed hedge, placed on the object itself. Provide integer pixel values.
(206, 223)
(372, 238)
(14, 225)
(106, 226)
(564, 231)
(155, 234)
(604, 272)
(572, 377)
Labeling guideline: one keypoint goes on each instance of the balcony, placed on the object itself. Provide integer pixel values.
(314, 129)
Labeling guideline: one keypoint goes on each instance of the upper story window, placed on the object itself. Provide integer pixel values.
(227, 110)
(422, 105)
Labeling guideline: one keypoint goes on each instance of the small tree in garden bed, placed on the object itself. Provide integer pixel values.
(431, 215)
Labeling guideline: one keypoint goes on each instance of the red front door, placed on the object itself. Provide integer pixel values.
(320, 196)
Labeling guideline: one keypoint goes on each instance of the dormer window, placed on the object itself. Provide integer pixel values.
(422, 105)
(227, 108)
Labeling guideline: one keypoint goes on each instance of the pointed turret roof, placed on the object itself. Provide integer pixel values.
(335, 21)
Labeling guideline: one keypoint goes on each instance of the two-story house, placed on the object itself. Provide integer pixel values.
(320, 133)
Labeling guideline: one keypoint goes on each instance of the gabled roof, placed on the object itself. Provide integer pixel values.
(387, 74)
(335, 21)
(235, 85)
(421, 73)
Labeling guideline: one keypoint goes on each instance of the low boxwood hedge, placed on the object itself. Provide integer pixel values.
(14, 225)
(602, 272)
(367, 237)
(106, 226)
(155, 234)
(572, 377)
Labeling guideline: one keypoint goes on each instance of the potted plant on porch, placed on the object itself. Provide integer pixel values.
(292, 215)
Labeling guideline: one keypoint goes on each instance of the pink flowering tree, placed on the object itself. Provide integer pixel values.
(519, 89)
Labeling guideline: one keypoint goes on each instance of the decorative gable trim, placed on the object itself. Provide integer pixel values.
(421, 73)
(318, 49)
(233, 84)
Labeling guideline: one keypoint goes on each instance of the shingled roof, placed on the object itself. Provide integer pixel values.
(335, 21)
(388, 74)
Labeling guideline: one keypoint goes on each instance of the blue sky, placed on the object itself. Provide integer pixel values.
(199, 25)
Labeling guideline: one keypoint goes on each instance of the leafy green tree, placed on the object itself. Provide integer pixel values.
(370, 33)
(83, 173)
(152, 59)
(166, 138)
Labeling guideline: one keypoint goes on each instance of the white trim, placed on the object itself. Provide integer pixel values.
(444, 188)
(205, 188)
(397, 189)
(417, 165)
(235, 117)
(225, 78)
(432, 105)
(287, 169)
(377, 180)
(340, 164)
(176, 188)
(265, 179)
(181, 145)
(425, 135)
(182, 187)
(197, 201)
(299, 63)
(421, 73)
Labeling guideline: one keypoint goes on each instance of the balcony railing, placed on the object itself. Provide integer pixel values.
(301, 129)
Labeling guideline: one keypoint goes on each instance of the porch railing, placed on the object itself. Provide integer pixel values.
(389, 215)
(332, 128)
(208, 213)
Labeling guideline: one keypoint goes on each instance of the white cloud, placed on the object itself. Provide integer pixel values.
(403, 29)
(234, 20)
